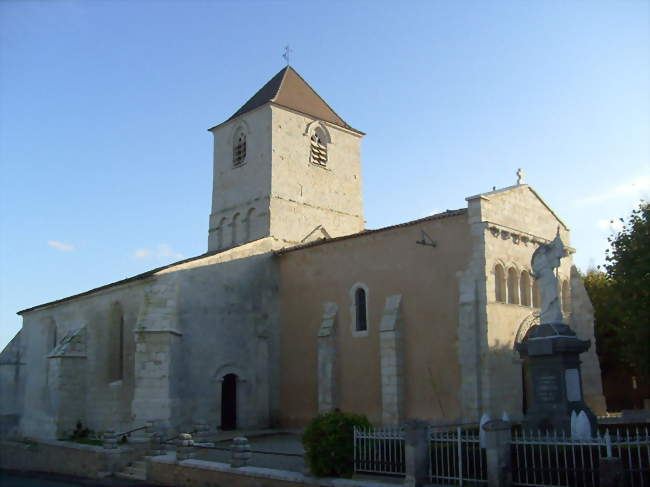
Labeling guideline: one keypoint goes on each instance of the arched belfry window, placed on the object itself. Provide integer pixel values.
(359, 309)
(499, 284)
(239, 148)
(318, 152)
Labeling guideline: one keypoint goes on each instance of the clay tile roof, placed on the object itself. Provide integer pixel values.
(288, 89)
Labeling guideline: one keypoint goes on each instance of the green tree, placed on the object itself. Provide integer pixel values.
(628, 269)
(606, 317)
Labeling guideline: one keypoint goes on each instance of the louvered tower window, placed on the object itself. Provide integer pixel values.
(239, 150)
(318, 150)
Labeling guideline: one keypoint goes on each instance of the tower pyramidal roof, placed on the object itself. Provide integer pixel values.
(289, 90)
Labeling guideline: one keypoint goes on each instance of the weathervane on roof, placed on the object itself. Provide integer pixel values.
(287, 53)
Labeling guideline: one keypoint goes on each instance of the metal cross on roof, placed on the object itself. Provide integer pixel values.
(287, 53)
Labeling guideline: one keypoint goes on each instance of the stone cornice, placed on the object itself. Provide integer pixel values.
(517, 236)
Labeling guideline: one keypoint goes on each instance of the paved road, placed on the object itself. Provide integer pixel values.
(36, 479)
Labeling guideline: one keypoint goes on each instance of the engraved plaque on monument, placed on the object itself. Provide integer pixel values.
(547, 387)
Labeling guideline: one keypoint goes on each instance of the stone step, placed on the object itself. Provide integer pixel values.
(131, 476)
(135, 471)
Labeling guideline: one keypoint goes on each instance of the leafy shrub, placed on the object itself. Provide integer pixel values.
(83, 435)
(329, 443)
(80, 432)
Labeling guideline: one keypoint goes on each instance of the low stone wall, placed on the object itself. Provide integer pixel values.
(165, 470)
(9, 425)
(65, 457)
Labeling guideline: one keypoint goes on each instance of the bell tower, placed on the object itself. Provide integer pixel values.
(285, 166)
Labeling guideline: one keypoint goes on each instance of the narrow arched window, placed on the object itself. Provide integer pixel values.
(53, 335)
(248, 230)
(360, 304)
(513, 286)
(524, 288)
(499, 284)
(233, 228)
(537, 297)
(120, 359)
(116, 343)
(239, 149)
(220, 233)
(566, 298)
(318, 153)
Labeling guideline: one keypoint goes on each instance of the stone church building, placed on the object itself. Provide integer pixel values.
(296, 308)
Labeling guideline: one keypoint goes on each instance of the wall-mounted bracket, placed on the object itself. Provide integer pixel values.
(426, 240)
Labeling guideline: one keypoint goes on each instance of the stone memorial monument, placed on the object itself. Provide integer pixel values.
(550, 353)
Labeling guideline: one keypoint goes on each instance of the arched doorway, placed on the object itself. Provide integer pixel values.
(229, 402)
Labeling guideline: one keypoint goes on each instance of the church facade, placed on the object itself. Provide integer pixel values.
(296, 308)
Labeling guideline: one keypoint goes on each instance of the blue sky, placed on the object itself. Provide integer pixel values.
(106, 161)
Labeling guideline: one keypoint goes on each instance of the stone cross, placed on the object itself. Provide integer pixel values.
(544, 262)
(520, 176)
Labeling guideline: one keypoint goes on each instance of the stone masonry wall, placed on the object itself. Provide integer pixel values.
(243, 190)
(305, 195)
(512, 222)
(66, 458)
(182, 328)
(103, 402)
(371, 378)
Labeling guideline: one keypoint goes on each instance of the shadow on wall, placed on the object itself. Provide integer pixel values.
(11, 386)
(504, 391)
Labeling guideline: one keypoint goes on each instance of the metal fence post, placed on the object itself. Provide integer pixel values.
(610, 468)
(416, 453)
(497, 445)
(459, 449)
